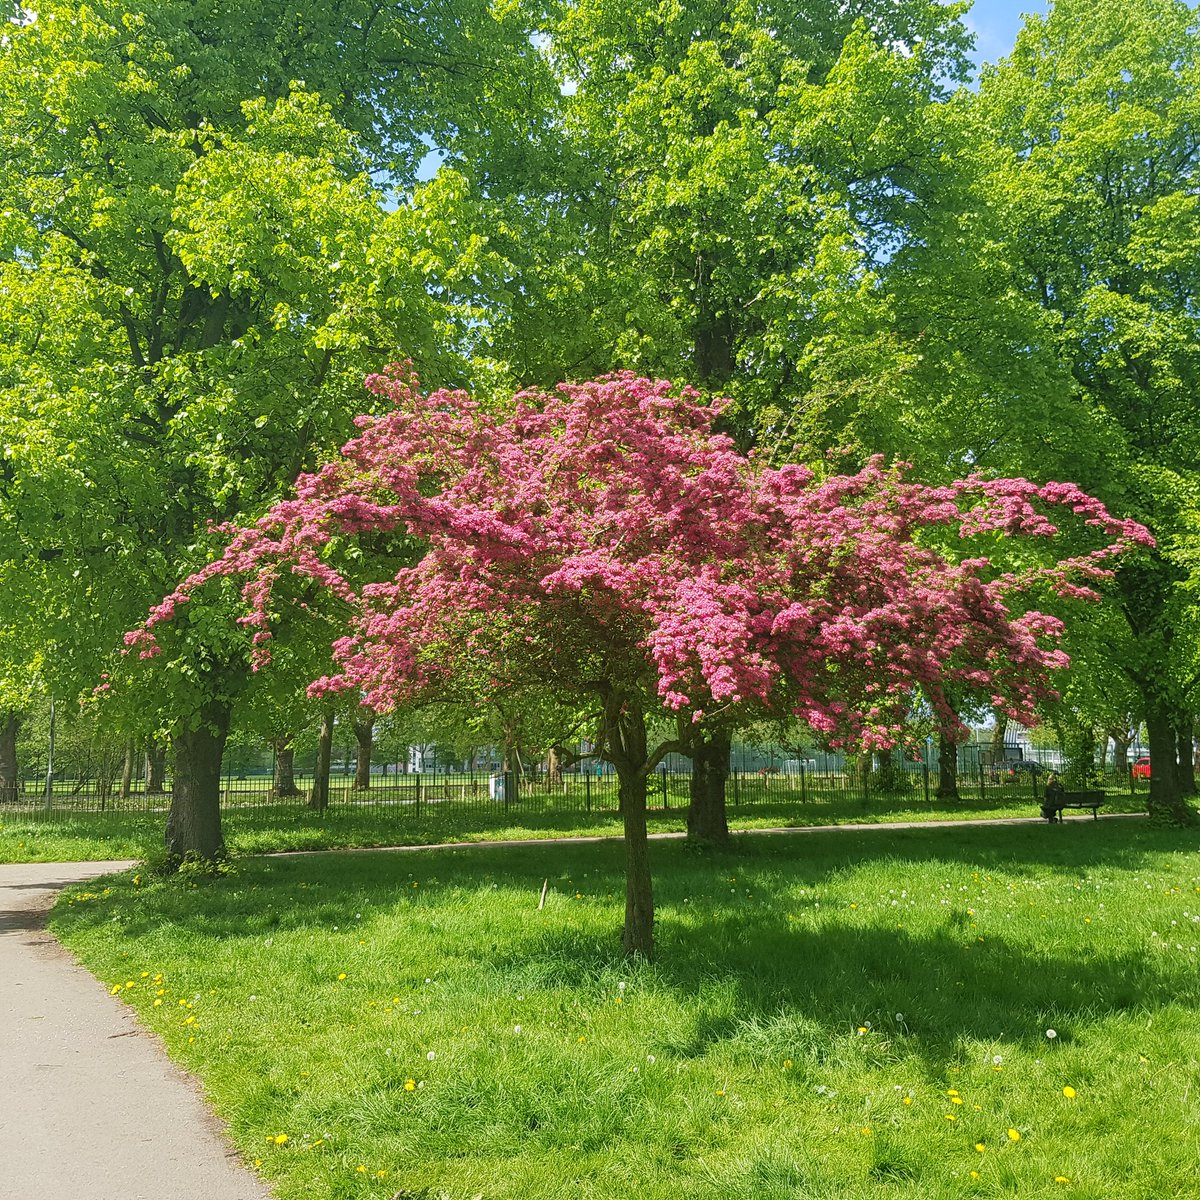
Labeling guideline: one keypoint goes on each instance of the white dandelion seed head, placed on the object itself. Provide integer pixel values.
(516, 1029)
(1050, 1033)
(431, 1056)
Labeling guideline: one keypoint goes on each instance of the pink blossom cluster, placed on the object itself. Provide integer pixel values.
(604, 535)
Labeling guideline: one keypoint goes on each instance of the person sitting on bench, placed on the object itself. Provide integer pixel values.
(1052, 798)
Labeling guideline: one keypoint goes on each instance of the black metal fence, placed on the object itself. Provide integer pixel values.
(781, 783)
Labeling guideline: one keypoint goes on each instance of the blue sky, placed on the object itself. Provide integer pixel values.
(995, 24)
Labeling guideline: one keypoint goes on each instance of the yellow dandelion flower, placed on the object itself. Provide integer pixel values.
(1061, 1179)
(342, 976)
(952, 1092)
(129, 983)
(280, 1139)
(619, 1000)
(1013, 1136)
(787, 1064)
(720, 1091)
(1069, 1092)
(974, 1174)
(866, 1131)
(145, 974)
(951, 1117)
(907, 1100)
(410, 1085)
(361, 1169)
(157, 1003)
(380, 1174)
(955, 1099)
(980, 1147)
(115, 989)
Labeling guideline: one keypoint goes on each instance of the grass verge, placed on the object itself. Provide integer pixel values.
(938, 1013)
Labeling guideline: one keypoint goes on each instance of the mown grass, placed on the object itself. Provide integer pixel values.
(89, 837)
(850, 1015)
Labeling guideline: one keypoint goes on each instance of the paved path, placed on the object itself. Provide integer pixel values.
(90, 1108)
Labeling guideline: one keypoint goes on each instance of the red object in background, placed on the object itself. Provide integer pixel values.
(1140, 768)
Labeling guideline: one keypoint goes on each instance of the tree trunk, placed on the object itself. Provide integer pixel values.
(156, 769)
(1120, 759)
(319, 796)
(364, 737)
(861, 772)
(10, 780)
(887, 778)
(283, 783)
(1185, 761)
(194, 820)
(625, 732)
(127, 769)
(947, 785)
(512, 766)
(999, 730)
(638, 937)
(707, 823)
(554, 767)
(1166, 800)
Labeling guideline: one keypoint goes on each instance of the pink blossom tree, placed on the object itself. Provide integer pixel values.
(604, 542)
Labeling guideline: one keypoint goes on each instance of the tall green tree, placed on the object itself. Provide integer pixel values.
(202, 257)
(1094, 180)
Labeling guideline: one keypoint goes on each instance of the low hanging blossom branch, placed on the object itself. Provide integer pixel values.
(603, 534)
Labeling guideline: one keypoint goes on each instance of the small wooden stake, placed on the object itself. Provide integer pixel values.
(545, 888)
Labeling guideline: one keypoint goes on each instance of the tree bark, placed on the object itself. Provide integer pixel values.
(319, 796)
(10, 776)
(554, 767)
(625, 734)
(887, 778)
(283, 783)
(707, 822)
(947, 785)
(127, 769)
(194, 820)
(999, 730)
(1166, 800)
(156, 769)
(1120, 759)
(1185, 764)
(364, 737)
(512, 765)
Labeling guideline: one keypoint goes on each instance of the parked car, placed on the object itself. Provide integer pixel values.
(1023, 767)
(1140, 768)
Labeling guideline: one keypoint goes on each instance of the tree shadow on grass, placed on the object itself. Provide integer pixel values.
(757, 982)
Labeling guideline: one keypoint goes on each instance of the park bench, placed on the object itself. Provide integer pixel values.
(1092, 800)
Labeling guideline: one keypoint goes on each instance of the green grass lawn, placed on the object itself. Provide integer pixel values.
(90, 836)
(851, 1014)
